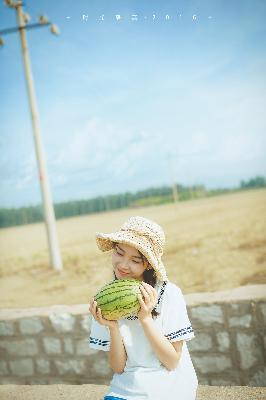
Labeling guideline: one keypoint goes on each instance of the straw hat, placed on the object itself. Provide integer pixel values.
(143, 234)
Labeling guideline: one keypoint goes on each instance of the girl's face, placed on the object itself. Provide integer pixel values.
(128, 262)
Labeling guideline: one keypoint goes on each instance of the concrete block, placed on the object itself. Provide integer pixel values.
(86, 323)
(68, 346)
(21, 367)
(25, 347)
(9, 380)
(210, 363)
(83, 348)
(52, 345)
(6, 328)
(202, 342)
(101, 367)
(223, 341)
(70, 366)
(62, 322)
(262, 310)
(202, 380)
(259, 378)
(3, 368)
(43, 366)
(226, 381)
(249, 350)
(37, 381)
(205, 316)
(30, 325)
(244, 321)
(236, 309)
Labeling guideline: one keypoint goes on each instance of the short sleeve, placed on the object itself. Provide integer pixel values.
(99, 336)
(176, 324)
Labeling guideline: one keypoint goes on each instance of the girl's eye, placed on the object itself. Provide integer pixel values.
(120, 254)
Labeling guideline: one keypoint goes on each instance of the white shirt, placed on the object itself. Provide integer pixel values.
(144, 376)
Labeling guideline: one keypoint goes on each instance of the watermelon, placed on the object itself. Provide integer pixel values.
(118, 299)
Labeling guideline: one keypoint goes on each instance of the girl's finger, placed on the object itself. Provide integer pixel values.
(148, 288)
(141, 299)
(99, 314)
(152, 292)
(144, 292)
(94, 308)
(154, 295)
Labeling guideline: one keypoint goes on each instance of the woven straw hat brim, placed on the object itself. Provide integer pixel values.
(105, 242)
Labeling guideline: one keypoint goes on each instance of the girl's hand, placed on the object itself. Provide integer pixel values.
(97, 315)
(148, 301)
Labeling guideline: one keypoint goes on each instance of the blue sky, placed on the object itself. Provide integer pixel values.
(129, 104)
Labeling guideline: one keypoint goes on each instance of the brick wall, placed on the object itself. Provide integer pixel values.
(49, 345)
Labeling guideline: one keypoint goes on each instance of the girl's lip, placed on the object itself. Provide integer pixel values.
(122, 273)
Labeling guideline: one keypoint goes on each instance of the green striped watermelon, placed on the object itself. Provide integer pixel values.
(118, 299)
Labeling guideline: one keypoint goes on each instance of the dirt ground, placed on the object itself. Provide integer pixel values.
(211, 244)
(96, 392)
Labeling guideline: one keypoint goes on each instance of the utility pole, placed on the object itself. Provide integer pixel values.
(174, 186)
(22, 25)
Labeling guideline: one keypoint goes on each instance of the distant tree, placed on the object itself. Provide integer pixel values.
(257, 182)
(146, 197)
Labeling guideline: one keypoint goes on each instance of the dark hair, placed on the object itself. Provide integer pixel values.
(149, 276)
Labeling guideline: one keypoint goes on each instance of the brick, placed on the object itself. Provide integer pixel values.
(86, 323)
(244, 321)
(6, 328)
(25, 347)
(211, 363)
(223, 341)
(52, 345)
(207, 315)
(43, 366)
(21, 367)
(30, 325)
(62, 322)
(70, 366)
(249, 350)
(202, 342)
(68, 345)
(3, 368)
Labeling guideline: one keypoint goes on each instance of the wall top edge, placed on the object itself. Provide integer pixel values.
(238, 294)
(248, 293)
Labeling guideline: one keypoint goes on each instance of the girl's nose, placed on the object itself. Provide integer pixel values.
(125, 265)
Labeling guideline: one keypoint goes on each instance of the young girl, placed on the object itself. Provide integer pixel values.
(147, 351)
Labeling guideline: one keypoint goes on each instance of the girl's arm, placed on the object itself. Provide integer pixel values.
(117, 352)
(168, 353)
